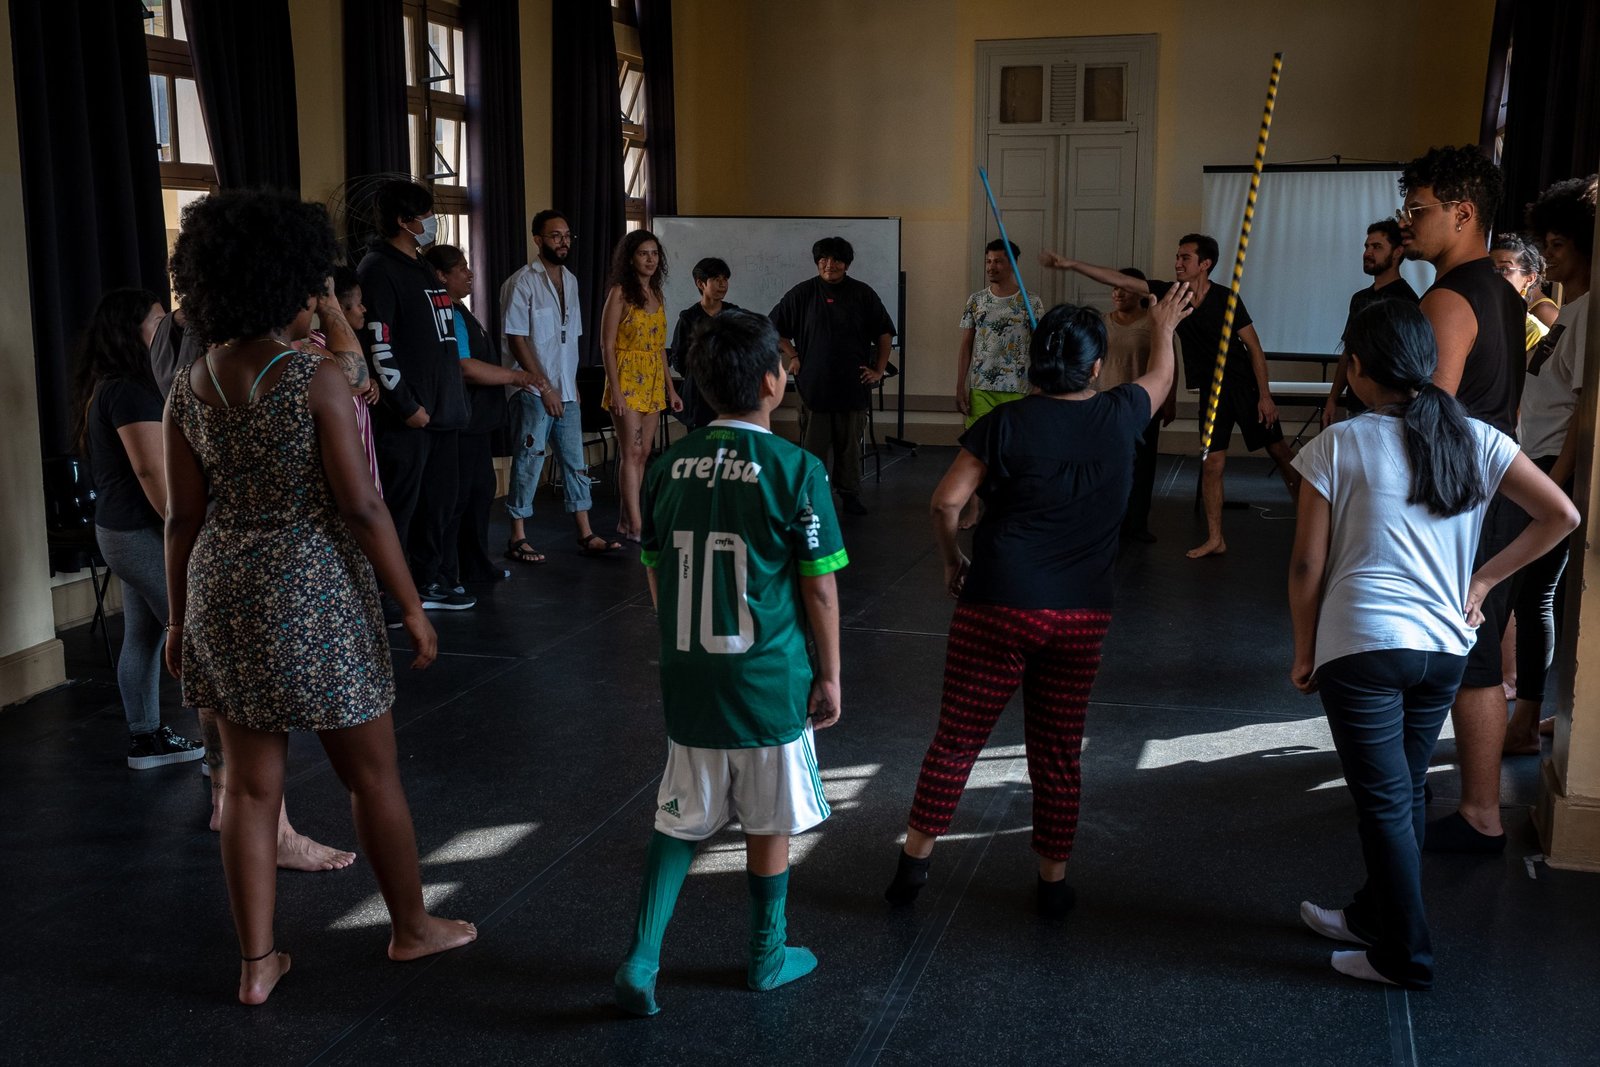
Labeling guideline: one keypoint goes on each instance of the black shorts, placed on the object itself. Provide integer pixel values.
(1237, 406)
(1502, 522)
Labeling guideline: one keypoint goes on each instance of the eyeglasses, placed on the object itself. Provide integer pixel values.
(1503, 271)
(1406, 214)
(562, 237)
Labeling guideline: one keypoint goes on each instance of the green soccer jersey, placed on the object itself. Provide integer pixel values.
(735, 516)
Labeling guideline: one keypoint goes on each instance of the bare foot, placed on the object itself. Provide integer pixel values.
(436, 935)
(1214, 547)
(297, 852)
(1547, 727)
(257, 979)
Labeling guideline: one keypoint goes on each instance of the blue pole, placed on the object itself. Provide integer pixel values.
(1027, 303)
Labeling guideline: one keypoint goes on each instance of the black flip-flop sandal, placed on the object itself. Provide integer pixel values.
(522, 551)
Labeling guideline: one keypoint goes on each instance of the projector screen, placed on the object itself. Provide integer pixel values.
(1304, 259)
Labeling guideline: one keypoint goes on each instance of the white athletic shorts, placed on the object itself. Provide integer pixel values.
(772, 790)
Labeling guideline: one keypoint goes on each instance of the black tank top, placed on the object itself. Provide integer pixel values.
(1491, 379)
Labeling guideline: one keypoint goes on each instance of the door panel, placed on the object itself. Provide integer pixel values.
(1097, 212)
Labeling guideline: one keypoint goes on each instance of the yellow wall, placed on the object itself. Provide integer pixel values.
(844, 107)
(317, 30)
(30, 656)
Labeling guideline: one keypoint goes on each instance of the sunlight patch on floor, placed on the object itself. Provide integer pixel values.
(486, 842)
(371, 912)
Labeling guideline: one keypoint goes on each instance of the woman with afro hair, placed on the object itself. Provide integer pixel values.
(272, 520)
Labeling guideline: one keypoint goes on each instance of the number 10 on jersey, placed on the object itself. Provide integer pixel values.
(734, 597)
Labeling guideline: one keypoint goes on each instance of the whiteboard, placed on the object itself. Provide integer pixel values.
(1304, 259)
(770, 256)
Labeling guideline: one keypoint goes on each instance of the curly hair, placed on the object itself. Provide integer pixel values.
(1529, 260)
(1567, 208)
(246, 261)
(112, 348)
(623, 274)
(1463, 174)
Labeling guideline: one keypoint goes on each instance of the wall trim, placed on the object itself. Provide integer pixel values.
(30, 671)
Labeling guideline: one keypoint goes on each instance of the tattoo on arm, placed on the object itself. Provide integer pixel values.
(354, 367)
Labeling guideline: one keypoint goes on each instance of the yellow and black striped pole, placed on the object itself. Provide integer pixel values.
(1238, 263)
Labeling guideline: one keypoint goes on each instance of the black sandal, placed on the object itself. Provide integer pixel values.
(522, 551)
(586, 545)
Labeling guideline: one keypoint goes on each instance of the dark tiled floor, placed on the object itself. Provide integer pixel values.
(1212, 804)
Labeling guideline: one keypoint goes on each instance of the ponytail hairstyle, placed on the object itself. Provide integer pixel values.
(1397, 351)
(1065, 346)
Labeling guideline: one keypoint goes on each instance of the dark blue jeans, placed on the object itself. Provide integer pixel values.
(1385, 709)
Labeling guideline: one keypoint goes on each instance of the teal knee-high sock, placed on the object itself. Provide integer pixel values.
(772, 963)
(665, 868)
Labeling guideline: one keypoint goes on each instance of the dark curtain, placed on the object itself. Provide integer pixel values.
(1494, 82)
(655, 42)
(244, 67)
(586, 130)
(494, 129)
(1553, 112)
(91, 183)
(376, 135)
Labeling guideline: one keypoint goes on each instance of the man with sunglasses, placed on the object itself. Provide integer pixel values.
(1451, 195)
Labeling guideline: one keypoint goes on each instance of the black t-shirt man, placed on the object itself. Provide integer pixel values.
(1361, 299)
(835, 328)
(1201, 331)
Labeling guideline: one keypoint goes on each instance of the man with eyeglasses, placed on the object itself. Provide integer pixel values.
(1381, 256)
(1450, 199)
(541, 323)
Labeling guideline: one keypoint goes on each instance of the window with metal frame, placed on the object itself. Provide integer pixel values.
(635, 117)
(184, 150)
(436, 102)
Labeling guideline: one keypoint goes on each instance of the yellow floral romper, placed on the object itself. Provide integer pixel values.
(641, 345)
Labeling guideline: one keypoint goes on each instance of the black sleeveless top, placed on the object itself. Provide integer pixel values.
(1491, 379)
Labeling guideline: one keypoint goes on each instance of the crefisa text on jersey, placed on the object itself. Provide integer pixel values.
(724, 466)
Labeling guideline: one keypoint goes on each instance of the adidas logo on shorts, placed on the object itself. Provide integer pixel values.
(671, 808)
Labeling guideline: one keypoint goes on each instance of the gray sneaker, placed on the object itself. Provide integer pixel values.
(161, 747)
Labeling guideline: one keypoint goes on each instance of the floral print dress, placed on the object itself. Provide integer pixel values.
(283, 629)
(641, 348)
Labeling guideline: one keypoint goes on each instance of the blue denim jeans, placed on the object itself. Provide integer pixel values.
(1385, 709)
(532, 431)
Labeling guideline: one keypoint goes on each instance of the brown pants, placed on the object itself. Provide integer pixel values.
(838, 432)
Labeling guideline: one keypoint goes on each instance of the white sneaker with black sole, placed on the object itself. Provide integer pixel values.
(437, 598)
(161, 747)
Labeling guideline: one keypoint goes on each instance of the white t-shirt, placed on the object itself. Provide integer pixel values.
(531, 308)
(1397, 574)
(1555, 374)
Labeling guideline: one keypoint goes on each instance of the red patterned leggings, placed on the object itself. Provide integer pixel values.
(1053, 656)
